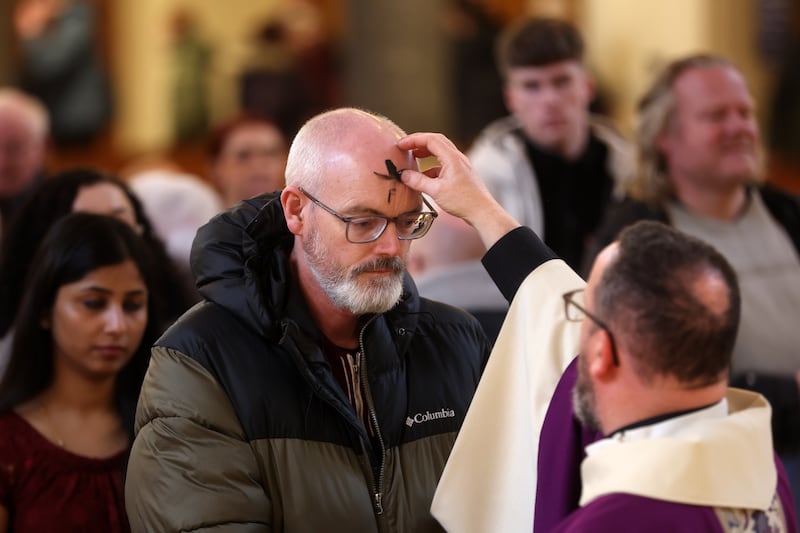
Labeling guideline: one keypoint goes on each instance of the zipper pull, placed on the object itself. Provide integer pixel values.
(378, 503)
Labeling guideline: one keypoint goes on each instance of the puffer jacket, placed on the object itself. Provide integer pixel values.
(241, 425)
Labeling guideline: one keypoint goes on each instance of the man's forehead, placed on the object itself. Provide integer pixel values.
(361, 150)
(352, 172)
(255, 130)
(523, 72)
(378, 197)
(363, 161)
(712, 82)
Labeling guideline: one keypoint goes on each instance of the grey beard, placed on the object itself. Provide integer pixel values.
(342, 287)
(344, 290)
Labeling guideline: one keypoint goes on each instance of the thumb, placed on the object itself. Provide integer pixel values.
(419, 181)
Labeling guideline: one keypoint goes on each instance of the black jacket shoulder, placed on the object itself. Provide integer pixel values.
(786, 210)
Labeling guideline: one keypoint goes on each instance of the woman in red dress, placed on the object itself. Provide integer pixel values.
(83, 333)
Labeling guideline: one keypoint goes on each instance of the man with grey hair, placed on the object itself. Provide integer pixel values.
(313, 389)
(700, 170)
(23, 137)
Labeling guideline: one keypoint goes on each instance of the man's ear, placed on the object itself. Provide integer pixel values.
(292, 202)
(601, 363)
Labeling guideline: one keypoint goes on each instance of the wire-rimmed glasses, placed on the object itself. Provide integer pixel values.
(368, 228)
(576, 312)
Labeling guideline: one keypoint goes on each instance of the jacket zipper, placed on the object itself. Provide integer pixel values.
(377, 486)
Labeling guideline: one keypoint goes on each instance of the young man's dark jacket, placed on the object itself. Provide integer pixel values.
(241, 423)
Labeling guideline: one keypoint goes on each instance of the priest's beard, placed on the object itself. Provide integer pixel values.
(583, 397)
(374, 294)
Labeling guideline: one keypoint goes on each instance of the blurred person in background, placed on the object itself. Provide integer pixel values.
(446, 267)
(248, 157)
(85, 190)
(61, 66)
(177, 204)
(24, 127)
(551, 164)
(474, 81)
(701, 171)
(83, 336)
(291, 72)
(191, 57)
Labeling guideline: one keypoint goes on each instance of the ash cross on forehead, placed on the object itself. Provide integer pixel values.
(393, 174)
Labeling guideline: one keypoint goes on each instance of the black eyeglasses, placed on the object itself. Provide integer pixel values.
(576, 312)
(368, 228)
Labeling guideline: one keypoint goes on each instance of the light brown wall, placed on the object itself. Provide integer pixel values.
(142, 61)
(629, 40)
(395, 58)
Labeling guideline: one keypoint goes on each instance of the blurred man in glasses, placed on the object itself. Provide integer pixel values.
(313, 390)
(701, 171)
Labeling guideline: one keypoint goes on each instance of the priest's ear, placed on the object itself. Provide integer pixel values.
(602, 361)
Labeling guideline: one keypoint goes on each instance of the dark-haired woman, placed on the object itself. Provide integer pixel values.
(82, 337)
(78, 190)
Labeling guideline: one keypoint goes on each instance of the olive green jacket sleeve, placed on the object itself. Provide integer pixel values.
(191, 466)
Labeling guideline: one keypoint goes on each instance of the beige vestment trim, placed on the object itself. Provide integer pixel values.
(718, 462)
(489, 482)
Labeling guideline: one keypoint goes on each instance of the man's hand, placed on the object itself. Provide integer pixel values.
(455, 186)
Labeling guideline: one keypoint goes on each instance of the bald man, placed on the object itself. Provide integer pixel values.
(446, 267)
(313, 389)
(23, 137)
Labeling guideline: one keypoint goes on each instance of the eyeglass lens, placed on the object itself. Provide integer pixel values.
(574, 307)
(365, 229)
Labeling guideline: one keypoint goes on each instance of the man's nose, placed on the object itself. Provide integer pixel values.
(551, 94)
(738, 122)
(388, 243)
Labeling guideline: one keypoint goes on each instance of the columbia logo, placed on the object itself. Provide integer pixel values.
(427, 416)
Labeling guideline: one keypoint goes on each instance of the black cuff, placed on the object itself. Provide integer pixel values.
(509, 261)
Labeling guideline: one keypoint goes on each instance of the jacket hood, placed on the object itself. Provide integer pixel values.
(226, 262)
(240, 261)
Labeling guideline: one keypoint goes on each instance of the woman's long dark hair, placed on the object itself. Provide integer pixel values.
(78, 244)
(53, 200)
